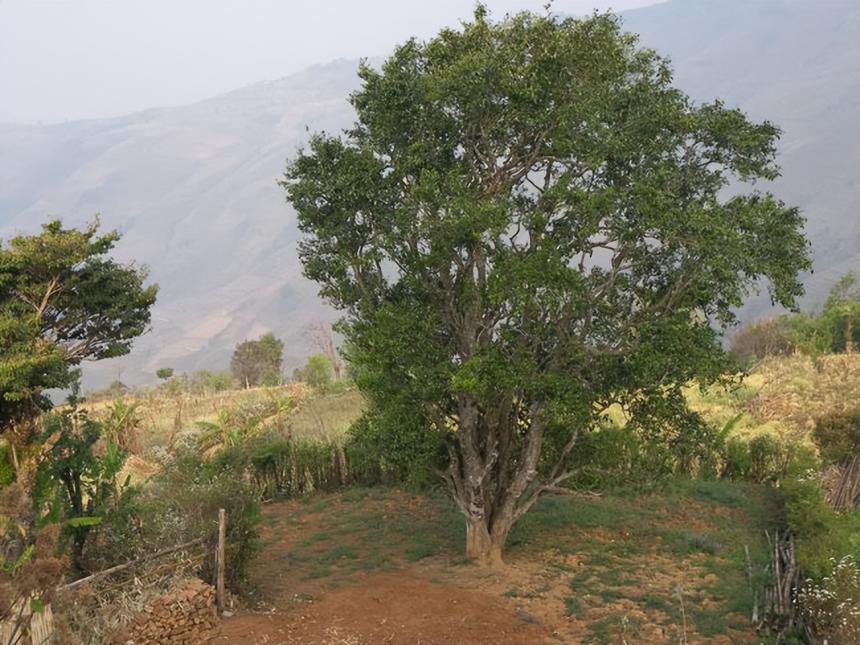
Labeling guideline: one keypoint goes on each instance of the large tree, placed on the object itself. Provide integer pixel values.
(63, 300)
(527, 224)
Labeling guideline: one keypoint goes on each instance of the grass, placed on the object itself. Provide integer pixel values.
(782, 395)
(289, 407)
(572, 607)
(629, 550)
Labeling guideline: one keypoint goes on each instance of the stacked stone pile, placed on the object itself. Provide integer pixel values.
(185, 615)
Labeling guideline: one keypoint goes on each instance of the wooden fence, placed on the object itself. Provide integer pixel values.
(33, 624)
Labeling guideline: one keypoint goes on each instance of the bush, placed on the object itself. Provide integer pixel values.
(832, 606)
(606, 456)
(205, 381)
(181, 503)
(392, 448)
(837, 436)
(821, 533)
(77, 481)
(317, 373)
(284, 467)
(7, 470)
(763, 459)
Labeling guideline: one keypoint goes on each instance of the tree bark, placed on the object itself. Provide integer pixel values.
(484, 546)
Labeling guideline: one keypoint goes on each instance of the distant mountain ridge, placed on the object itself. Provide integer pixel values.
(194, 188)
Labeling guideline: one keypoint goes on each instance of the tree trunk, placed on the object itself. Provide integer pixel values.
(849, 336)
(483, 546)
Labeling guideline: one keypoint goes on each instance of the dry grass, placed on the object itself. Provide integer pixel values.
(163, 417)
(783, 395)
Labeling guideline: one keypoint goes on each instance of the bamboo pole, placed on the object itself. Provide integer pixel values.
(219, 560)
(121, 567)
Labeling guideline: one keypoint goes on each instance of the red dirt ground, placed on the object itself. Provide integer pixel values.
(301, 595)
(393, 608)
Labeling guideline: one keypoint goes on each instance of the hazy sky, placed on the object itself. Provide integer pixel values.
(71, 59)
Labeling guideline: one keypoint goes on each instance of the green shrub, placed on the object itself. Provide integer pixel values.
(832, 606)
(181, 503)
(763, 459)
(608, 455)
(285, 467)
(7, 470)
(837, 436)
(77, 480)
(393, 449)
(760, 338)
(821, 534)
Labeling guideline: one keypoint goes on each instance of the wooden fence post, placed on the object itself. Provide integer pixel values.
(219, 560)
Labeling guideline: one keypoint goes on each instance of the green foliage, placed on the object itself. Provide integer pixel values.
(837, 435)
(76, 482)
(258, 362)
(62, 300)
(181, 503)
(202, 382)
(760, 338)
(762, 459)
(7, 468)
(394, 448)
(821, 534)
(835, 329)
(841, 315)
(831, 606)
(528, 223)
(284, 467)
(317, 372)
(164, 373)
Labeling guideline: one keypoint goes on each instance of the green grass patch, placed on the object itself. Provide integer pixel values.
(420, 551)
(318, 572)
(340, 552)
(573, 607)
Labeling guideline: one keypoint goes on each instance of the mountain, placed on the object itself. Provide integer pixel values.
(795, 63)
(194, 190)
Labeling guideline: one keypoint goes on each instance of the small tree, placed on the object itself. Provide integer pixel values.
(256, 362)
(62, 301)
(317, 372)
(527, 225)
(841, 315)
(761, 338)
(76, 483)
(164, 373)
(323, 337)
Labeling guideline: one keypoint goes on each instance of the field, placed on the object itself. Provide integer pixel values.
(165, 418)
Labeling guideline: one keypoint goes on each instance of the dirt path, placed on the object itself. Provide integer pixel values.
(391, 608)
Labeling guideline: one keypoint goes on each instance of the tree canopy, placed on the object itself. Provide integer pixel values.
(258, 362)
(63, 300)
(317, 372)
(528, 224)
(841, 315)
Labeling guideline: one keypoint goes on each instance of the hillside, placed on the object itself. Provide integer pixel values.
(193, 188)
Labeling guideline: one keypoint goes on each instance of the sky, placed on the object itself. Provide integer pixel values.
(64, 60)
